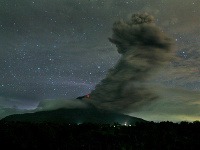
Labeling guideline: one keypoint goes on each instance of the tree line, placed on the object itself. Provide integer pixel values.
(149, 135)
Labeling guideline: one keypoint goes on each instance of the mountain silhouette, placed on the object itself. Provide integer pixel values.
(76, 115)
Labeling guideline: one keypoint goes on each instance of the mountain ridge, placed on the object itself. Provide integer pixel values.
(75, 115)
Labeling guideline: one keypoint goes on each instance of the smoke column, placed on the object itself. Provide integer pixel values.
(144, 48)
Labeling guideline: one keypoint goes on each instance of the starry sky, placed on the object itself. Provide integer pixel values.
(52, 51)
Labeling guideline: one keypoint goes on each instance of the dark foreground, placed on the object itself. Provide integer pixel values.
(155, 136)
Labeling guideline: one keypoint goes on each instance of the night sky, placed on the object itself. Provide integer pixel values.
(52, 51)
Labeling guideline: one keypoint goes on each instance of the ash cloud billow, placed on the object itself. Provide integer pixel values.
(144, 48)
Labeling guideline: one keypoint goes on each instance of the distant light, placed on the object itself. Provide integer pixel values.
(129, 125)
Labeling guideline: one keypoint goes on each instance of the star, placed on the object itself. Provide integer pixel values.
(60, 49)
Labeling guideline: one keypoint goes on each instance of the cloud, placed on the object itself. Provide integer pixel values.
(11, 106)
(182, 71)
(17, 103)
(56, 104)
(10, 111)
(144, 48)
(174, 104)
(178, 20)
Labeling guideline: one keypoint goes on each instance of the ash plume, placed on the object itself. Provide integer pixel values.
(144, 48)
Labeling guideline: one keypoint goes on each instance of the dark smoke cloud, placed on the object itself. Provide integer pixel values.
(144, 48)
